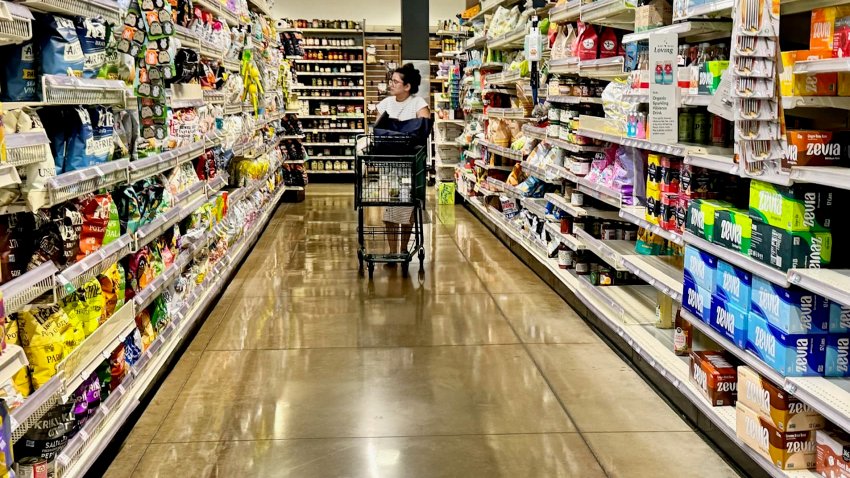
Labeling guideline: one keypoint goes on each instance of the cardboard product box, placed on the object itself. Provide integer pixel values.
(773, 403)
(833, 454)
(715, 376)
(822, 33)
(839, 318)
(710, 75)
(794, 450)
(801, 207)
(700, 267)
(732, 229)
(837, 360)
(696, 182)
(733, 285)
(786, 249)
(792, 310)
(841, 35)
(786, 78)
(729, 320)
(816, 148)
(696, 300)
(653, 205)
(656, 13)
(700, 220)
(471, 11)
(792, 355)
(816, 84)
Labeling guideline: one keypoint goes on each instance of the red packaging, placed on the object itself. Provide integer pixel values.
(715, 376)
(841, 38)
(574, 48)
(608, 43)
(670, 179)
(588, 44)
(669, 203)
(833, 453)
(682, 213)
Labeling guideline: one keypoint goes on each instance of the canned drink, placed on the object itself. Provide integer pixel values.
(686, 127)
(31, 467)
(702, 128)
(718, 130)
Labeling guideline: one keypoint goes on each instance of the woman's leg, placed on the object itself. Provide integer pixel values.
(406, 230)
(392, 236)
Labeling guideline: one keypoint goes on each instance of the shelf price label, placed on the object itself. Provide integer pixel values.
(663, 86)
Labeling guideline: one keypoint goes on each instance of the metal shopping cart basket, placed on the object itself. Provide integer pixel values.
(390, 172)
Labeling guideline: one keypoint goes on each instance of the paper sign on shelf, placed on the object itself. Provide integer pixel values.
(663, 88)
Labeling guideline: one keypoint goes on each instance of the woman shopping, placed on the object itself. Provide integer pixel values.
(403, 105)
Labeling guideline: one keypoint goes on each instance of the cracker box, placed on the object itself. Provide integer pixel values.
(700, 267)
(732, 229)
(793, 310)
(837, 360)
(773, 403)
(801, 207)
(712, 373)
(733, 285)
(788, 249)
(700, 220)
(833, 454)
(696, 300)
(729, 320)
(787, 450)
(790, 355)
(816, 148)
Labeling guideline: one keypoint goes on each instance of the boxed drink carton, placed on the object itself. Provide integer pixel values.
(700, 267)
(792, 310)
(839, 318)
(773, 403)
(729, 320)
(822, 33)
(815, 84)
(733, 285)
(696, 300)
(816, 148)
(700, 220)
(788, 249)
(787, 450)
(833, 454)
(837, 360)
(801, 207)
(712, 373)
(790, 355)
(732, 229)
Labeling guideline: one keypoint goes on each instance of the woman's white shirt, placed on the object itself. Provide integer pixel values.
(402, 110)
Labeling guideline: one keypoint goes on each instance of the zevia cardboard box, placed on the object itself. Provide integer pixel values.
(790, 355)
(733, 229)
(774, 404)
(837, 360)
(788, 249)
(801, 207)
(733, 285)
(700, 220)
(696, 300)
(729, 320)
(787, 450)
(700, 267)
(833, 454)
(712, 373)
(793, 310)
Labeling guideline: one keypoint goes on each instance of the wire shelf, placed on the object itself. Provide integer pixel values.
(26, 148)
(21, 291)
(84, 8)
(91, 266)
(19, 29)
(69, 90)
(87, 180)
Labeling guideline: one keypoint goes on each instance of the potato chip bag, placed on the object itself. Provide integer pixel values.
(159, 314)
(108, 287)
(40, 331)
(118, 367)
(143, 323)
(21, 380)
(113, 225)
(93, 306)
(95, 211)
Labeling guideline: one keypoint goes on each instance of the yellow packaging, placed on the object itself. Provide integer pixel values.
(844, 84)
(41, 333)
(823, 26)
(821, 84)
(786, 78)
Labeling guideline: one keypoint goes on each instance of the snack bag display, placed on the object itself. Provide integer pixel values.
(41, 332)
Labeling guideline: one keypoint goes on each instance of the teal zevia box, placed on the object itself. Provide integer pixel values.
(838, 355)
(791, 355)
(802, 207)
(792, 310)
(784, 249)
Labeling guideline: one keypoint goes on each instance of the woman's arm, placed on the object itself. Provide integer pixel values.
(424, 113)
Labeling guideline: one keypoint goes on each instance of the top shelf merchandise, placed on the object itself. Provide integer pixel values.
(331, 84)
(731, 172)
(118, 229)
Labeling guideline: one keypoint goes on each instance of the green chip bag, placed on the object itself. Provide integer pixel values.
(113, 227)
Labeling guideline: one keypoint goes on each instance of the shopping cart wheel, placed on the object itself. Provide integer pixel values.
(371, 270)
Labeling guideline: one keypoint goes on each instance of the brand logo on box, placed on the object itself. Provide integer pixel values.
(814, 254)
(766, 342)
(695, 300)
(757, 432)
(770, 202)
(802, 361)
(758, 395)
(810, 203)
(700, 376)
(731, 283)
(697, 267)
(842, 362)
(769, 302)
(806, 305)
(731, 232)
(725, 320)
(697, 218)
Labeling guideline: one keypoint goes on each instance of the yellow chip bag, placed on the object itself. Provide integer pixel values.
(21, 379)
(94, 307)
(40, 331)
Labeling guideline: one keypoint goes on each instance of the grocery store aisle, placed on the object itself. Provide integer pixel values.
(305, 369)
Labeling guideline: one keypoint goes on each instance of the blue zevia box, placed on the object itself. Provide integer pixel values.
(700, 267)
(696, 300)
(792, 310)
(838, 355)
(791, 355)
(839, 318)
(729, 320)
(733, 285)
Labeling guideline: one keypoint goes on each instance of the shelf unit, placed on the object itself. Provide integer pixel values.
(311, 104)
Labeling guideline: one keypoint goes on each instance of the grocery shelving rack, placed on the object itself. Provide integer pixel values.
(625, 314)
(338, 151)
(261, 195)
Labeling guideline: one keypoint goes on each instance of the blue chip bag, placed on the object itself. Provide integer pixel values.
(61, 51)
(56, 127)
(80, 141)
(17, 76)
(92, 34)
(102, 145)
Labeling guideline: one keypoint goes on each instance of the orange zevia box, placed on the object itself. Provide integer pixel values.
(715, 377)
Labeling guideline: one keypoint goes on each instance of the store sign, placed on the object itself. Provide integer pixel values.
(663, 88)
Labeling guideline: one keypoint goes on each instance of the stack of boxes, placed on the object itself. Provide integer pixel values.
(670, 187)
(830, 30)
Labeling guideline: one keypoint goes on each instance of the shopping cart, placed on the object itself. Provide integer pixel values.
(390, 172)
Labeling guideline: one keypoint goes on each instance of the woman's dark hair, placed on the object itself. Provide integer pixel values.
(410, 76)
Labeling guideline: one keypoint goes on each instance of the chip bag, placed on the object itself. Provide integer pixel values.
(40, 330)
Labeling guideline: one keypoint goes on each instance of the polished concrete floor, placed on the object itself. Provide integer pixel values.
(306, 369)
